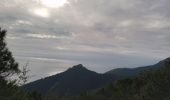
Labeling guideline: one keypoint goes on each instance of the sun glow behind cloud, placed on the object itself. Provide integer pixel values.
(44, 9)
(54, 3)
(42, 12)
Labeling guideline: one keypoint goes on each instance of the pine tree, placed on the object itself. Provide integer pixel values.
(8, 65)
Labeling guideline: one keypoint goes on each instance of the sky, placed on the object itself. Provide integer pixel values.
(53, 35)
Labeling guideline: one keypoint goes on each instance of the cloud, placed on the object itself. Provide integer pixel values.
(100, 34)
(45, 36)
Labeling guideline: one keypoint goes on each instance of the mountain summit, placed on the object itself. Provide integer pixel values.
(73, 81)
(78, 68)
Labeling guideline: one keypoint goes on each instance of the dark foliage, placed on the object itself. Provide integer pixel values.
(8, 66)
(8, 88)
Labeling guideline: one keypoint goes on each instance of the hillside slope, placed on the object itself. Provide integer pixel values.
(71, 82)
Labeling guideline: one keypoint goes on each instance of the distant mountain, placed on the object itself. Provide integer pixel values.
(73, 81)
(131, 72)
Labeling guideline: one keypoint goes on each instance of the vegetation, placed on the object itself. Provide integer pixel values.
(8, 66)
(9, 90)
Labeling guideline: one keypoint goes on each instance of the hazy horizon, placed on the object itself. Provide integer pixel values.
(53, 35)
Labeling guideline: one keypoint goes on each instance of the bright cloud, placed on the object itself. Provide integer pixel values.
(42, 12)
(54, 3)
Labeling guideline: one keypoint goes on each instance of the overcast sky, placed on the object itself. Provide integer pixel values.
(53, 35)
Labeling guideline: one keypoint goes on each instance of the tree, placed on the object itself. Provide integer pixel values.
(23, 77)
(8, 65)
(9, 90)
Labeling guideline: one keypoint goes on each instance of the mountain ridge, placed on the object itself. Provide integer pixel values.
(149, 85)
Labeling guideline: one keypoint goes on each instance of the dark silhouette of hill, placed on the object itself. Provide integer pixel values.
(131, 72)
(78, 79)
(73, 81)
